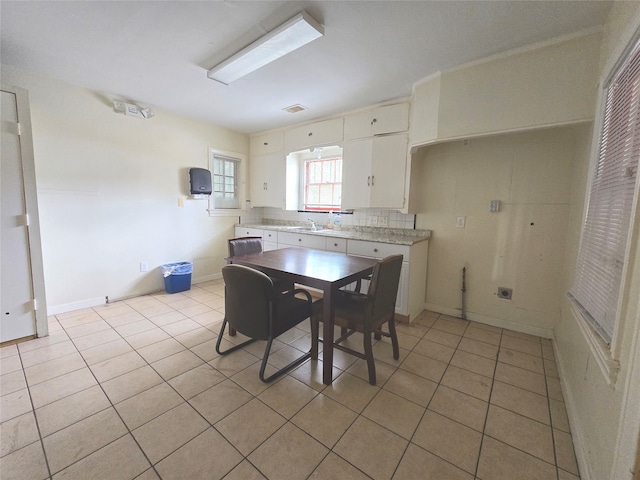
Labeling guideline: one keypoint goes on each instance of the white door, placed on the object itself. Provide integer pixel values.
(18, 316)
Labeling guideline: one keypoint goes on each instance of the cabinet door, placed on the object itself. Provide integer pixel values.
(356, 174)
(377, 121)
(267, 178)
(358, 125)
(388, 165)
(326, 132)
(265, 143)
(390, 119)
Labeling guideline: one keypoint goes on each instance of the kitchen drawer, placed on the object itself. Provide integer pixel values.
(248, 232)
(301, 240)
(337, 244)
(377, 249)
(270, 236)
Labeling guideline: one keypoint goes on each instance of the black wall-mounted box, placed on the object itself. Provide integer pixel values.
(200, 181)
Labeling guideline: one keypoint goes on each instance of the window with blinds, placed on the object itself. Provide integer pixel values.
(606, 229)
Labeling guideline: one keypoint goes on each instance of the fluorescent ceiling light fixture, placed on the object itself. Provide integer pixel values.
(286, 38)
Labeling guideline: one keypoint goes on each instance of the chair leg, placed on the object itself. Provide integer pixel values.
(265, 358)
(368, 351)
(394, 339)
(315, 332)
(235, 347)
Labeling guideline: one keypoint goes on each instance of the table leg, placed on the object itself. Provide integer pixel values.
(328, 310)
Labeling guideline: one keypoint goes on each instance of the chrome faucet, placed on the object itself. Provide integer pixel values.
(313, 224)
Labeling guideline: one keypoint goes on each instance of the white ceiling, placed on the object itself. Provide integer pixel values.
(157, 53)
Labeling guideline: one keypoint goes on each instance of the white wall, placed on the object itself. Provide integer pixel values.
(520, 247)
(108, 188)
(605, 420)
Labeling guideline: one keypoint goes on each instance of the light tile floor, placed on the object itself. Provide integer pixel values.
(134, 389)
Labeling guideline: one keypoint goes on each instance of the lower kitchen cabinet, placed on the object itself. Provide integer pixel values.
(413, 277)
(269, 237)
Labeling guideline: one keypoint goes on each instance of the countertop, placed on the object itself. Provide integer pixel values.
(398, 236)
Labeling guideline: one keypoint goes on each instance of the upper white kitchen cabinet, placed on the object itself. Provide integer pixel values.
(266, 143)
(267, 175)
(509, 93)
(373, 172)
(326, 132)
(377, 121)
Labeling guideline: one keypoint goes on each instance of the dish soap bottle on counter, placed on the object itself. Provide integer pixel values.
(330, 222)
(336, 222)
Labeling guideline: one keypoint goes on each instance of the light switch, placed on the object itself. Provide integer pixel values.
(181, 201)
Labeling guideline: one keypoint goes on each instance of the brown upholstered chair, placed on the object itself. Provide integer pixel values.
(247, 245)
(367, 313)
(254, 308)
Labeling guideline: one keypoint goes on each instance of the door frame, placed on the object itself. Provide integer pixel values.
(31, 206)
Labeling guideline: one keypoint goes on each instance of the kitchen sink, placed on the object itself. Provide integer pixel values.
(307, 229)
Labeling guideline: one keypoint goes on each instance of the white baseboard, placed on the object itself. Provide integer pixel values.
(207, 278)
(70, 307)
(94, 302)
(496, 322)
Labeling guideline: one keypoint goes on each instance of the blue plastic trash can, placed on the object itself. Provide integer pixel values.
(177, 276)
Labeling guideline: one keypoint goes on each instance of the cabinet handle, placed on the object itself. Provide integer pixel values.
(310, 133)
(374, 121)
(375, 250)
(372, 177)
(299, 239)
(266, 143)
(369, 181)
(264, 186)
(335, 244)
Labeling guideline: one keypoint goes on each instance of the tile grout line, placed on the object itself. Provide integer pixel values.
(35, 417)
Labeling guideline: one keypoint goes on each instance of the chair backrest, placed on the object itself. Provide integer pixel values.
(244, 245)
(247, 300)
(383, 288)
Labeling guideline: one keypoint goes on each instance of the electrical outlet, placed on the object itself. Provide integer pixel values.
(460, 222)
(373, 220)
(181, 201)
(383, 221)
(144, 266)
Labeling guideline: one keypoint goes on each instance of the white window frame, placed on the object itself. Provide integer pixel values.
(607, 354)
(240, 183)
(305, 185)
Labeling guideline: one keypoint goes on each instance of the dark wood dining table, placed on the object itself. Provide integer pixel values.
(323, 270)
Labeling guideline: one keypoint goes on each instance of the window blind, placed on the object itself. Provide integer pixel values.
(604, 238)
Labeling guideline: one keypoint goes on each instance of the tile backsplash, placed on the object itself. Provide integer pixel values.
(359, 218)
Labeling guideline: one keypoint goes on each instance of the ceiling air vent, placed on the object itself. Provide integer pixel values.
(294, 108)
